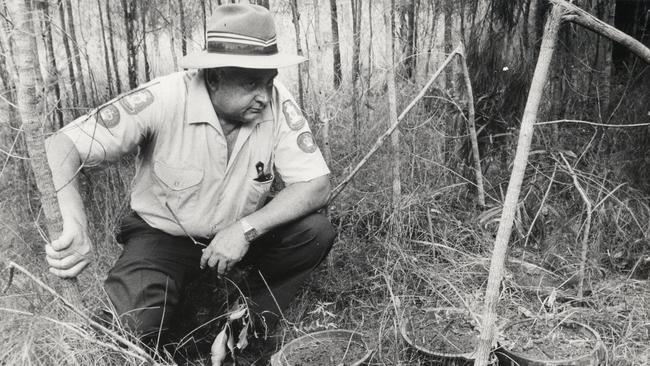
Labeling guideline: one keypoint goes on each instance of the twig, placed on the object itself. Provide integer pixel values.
(591, 123)
(541, 206)
(585, 237)
(392, 128)
(472, 127)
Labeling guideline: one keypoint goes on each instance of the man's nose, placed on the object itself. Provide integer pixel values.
(263, 95)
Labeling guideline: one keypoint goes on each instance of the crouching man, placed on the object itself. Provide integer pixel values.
(208, 140)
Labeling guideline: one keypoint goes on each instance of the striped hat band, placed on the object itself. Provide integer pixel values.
(225, 42)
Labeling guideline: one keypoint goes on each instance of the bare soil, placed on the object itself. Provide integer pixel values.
(545, 340)
(326, 352)
(443, 331)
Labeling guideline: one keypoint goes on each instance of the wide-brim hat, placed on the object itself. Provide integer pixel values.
(240, 35)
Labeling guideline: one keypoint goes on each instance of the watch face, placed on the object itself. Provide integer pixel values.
(250, 234)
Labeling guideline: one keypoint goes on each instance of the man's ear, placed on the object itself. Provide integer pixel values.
(212, 78)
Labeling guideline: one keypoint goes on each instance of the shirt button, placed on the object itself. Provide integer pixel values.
(176, 184)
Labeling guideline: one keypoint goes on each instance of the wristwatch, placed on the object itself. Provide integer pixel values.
(250, 233)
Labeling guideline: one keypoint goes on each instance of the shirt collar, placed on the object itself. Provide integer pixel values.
(200, 109)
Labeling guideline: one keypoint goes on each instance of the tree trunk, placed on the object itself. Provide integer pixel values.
(109, 24)
(295, 17)
(143, 17)
(389, 10)
(109, 76)
(76, 54)
(9, 41)
(69, 61)
(370, 44)
(29, 105)
(336, 47)
(52, 71)
(356, 70)
(264, 3)
(449, 43)
(205, 26)
(129, 6)
(529, 118)
(408, 33)
(172, 39)
(181, 15)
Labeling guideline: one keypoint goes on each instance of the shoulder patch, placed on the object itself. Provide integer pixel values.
(108, 116)
(292, 115)
(137, 101)
(306, 142)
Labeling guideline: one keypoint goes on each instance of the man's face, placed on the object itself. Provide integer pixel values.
(240, 95)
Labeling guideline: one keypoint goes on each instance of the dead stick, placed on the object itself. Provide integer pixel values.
(579, 16)
(549, 41)
(85, 317)
(585, 237)
(472, 127)
(392, 128)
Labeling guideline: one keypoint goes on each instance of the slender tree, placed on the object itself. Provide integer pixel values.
(336, 47)
(107, 63)
(181, 18)
(52, 72)
(389, 11)
(172, 39)
(129, 9)
(408, 38)
(76, 54)
(356, 68)
(116, 69)
(144, 5)
(68, 55)
(295, 17)
(29, 105)
(204, 18)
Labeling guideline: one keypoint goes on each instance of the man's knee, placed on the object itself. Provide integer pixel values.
(316, 230)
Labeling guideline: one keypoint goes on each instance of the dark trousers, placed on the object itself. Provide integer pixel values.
(148, 280)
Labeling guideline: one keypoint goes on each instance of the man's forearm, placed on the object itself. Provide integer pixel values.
(64, 162)
(291, 203)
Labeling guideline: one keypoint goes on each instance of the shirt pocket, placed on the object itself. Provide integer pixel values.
(177, 187)
(256, 194)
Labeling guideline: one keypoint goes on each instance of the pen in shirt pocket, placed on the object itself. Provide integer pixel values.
(261, 176)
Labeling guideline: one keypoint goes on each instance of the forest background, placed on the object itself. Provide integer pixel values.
(412, 215)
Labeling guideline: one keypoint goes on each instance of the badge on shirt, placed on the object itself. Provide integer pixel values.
(306, 142)
(136, 102)
(292, 115)
(109, 116)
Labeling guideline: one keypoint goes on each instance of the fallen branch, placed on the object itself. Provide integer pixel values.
(392, 128)
(560, 11)
(488, 327)
(579, 16)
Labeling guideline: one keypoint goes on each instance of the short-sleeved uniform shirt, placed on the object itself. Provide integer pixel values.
(182, 164)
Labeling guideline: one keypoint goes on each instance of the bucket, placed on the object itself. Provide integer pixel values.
(324, 348)
(451, 338)
(583, 342)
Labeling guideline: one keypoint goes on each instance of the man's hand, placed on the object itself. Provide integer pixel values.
(226, 249)
(70, 253)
